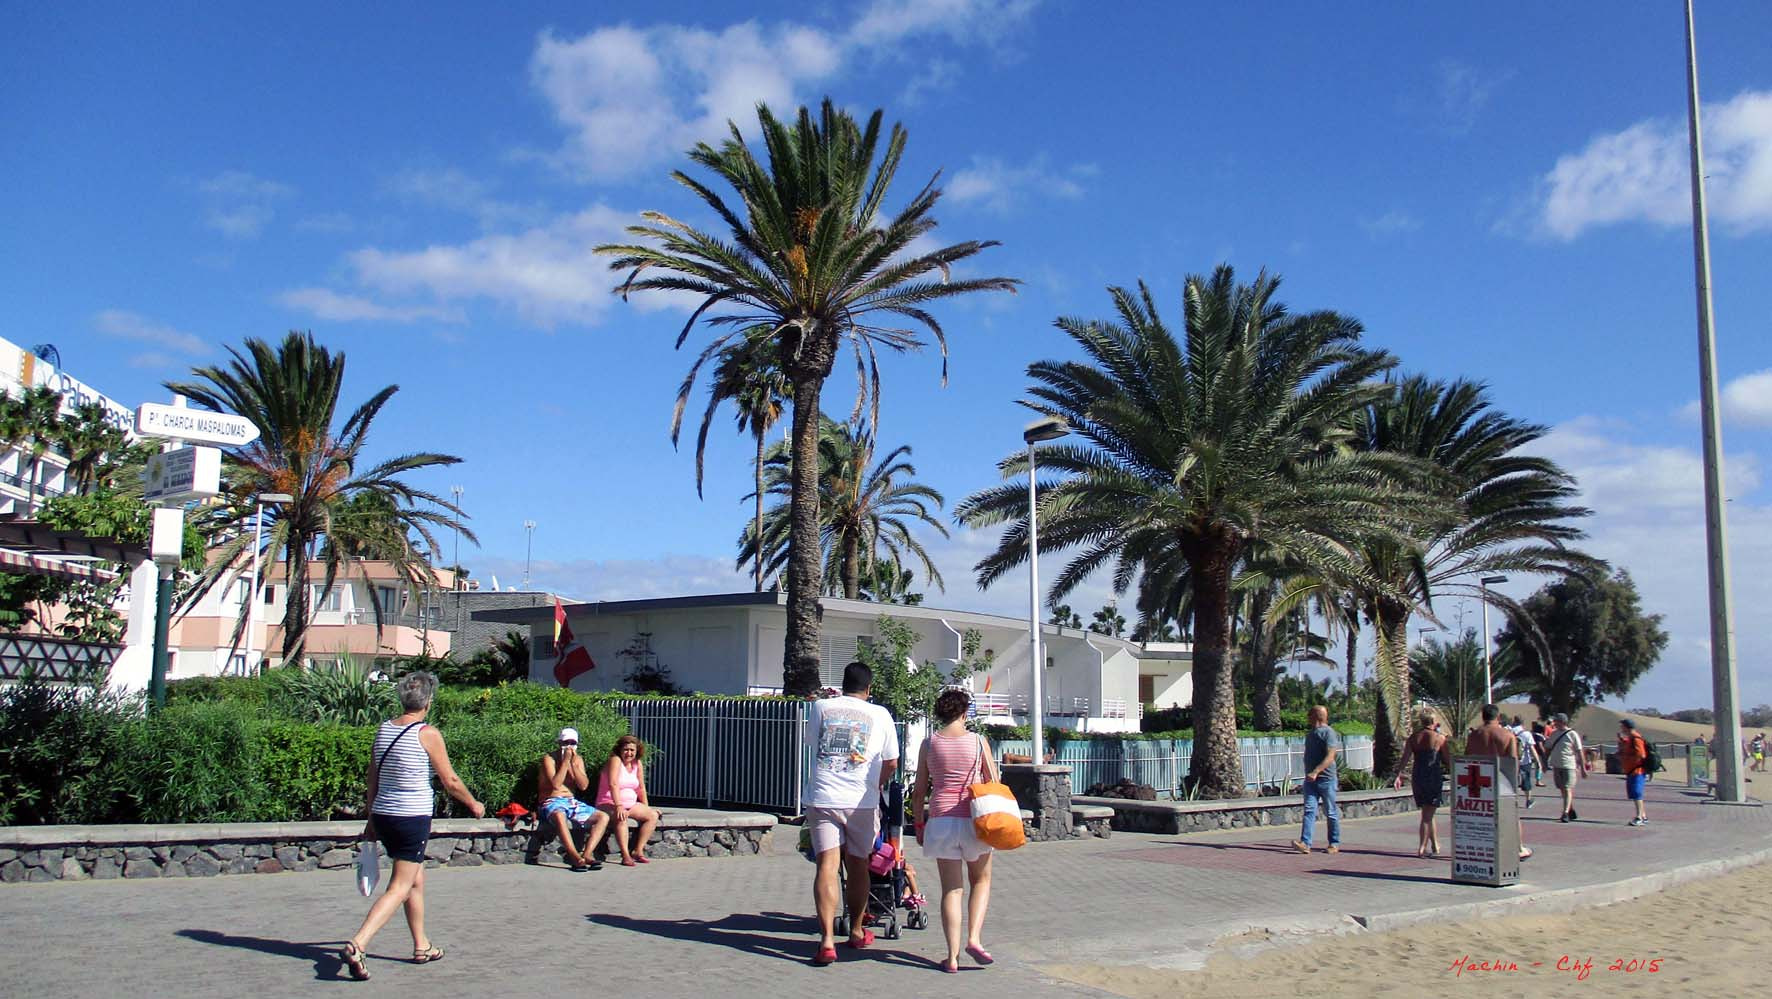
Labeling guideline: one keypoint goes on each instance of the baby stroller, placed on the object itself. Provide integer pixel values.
(886, 875)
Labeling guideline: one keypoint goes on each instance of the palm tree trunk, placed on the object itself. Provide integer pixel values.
(1353, 642)
(758, 525)
(1393, 655)
(295, 602)
(1263, 661)
(1217, 766)
(801, 657)
(851, 566)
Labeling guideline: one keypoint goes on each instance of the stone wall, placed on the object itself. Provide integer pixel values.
(1045, 791)
(1176, 817)
(80, 853)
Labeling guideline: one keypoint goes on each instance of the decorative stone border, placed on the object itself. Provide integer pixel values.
(80, 853)
(1176, 817)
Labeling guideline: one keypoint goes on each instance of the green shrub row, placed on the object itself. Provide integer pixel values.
(77, 756)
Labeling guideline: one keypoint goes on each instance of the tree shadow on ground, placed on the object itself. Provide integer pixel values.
(328, 965)
(780, 935)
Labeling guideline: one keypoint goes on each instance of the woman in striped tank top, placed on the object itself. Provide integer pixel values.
(405, 752)
(951, 761)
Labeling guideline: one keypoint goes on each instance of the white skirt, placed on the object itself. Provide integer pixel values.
(952, 838)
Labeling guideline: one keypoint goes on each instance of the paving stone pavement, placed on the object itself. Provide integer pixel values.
(743, 927)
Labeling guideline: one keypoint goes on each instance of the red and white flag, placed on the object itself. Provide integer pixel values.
(571, 659)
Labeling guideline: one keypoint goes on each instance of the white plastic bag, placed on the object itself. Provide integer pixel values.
(368, 867)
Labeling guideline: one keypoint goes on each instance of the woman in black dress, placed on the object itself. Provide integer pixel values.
(1431, 756)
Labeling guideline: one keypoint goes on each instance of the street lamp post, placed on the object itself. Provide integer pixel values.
(258, 535)
(529, 552)
(455, 530)
(1488, 675)
(1046, 429)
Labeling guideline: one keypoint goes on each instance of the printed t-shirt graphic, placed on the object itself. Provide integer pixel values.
(851, 738)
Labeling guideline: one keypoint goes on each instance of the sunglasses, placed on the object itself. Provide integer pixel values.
(568, 743)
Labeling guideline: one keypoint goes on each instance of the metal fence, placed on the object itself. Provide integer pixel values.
(1163, 763)
(722, 752)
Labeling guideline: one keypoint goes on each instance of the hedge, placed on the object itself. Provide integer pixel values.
(216, 753)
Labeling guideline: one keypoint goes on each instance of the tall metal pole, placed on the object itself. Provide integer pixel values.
(162, 634)
(1722, 625)
(1037, 710)
(455, 529)
(529, 551)
(258, 534)
(1488, 672)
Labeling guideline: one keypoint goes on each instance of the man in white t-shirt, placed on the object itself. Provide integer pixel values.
(1528, 756)
(855, 754)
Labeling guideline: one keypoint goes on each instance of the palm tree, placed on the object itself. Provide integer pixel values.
(815, 262)
(1511, 513)
(1064, 617)
(38, 428)
(1191, 452)
(1449, 675)
(864, 506)
(92, 442)
(341, 514)
(749, 374)
(1108, 621)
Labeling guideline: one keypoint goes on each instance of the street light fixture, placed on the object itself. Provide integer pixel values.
(529, 554)
(258, 533)
(1044, 429)
(1488, 677)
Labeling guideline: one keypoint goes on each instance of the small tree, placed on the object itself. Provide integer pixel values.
(646, 675)
(907, 690)
(1109, 621)
(1064, 617)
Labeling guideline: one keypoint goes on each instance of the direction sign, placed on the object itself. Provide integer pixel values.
(183, 475)
(155, 420)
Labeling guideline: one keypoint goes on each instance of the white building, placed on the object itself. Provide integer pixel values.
(20, 369)
(733, 644)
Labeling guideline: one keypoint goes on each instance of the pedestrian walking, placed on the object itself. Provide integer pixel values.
(1427, 756)
(1321, 781)
(405, 753)
(1538, 743)
(1493, 739)
(951, 760)
(855, 755)
(1529, 761)
(1633, 759)
(1567, 759)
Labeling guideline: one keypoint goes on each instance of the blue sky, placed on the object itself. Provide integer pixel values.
(1501, 198)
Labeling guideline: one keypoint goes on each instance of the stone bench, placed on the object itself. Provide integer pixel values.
(681, 832)
(1176, 817)
(77, 853)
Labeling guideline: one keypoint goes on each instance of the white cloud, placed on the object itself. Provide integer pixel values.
(155, 360)
(327, 304)
(1462, 92)
(548, 274)
(1391, 223)
(999, 186)
(133, 326)
(631, 98)
(1642, 173)
(238, 204)
(1747, 402)
(1649, 518)
(454, 190)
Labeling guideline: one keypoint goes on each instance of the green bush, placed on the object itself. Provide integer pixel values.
(312, 771)
(64, 754)
(1359, 780)
(198, 763)
(209, 689)
(497, 758)
(344, 694)
(513, 702)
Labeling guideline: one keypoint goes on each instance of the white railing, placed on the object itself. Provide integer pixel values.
(1163, 763)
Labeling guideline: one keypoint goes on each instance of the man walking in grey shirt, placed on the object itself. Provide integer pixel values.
(1321, 781)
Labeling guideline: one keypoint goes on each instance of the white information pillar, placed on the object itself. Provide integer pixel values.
(1485, 822)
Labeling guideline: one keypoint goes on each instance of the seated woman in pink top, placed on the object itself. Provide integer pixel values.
(621, 792)
(952, 760)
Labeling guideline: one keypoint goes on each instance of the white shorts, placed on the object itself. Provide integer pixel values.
(952, 838)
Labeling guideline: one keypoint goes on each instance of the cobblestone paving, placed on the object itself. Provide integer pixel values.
(742, 927)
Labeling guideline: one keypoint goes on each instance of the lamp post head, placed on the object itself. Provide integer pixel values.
(1046, 428)
(1494, 579)
(529, 525)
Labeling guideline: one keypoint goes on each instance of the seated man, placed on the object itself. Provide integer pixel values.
(562, 776)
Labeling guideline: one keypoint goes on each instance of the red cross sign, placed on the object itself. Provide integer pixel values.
(1474, 781)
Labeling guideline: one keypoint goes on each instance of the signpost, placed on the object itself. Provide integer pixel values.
(179, 423)
(1698, 766)
(190, 473)
(1485, 822)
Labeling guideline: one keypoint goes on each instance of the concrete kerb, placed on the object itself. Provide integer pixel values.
(1553, 901)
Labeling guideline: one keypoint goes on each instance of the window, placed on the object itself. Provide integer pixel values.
(324, 599)
(388, 599)
(1147, 689)
(243, 592)
(270, 595)
(237, 665)
(835, 652)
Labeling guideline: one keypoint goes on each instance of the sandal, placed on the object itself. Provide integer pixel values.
(429, 955)
(352, 955)
(641, 859)
(980, 955)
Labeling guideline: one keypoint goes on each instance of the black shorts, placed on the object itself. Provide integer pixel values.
(403, 836)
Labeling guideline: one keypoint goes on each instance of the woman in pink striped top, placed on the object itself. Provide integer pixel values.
(951, 761)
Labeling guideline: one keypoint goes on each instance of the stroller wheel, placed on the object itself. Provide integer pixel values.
(841, 926)
(917, 920)
(892, 930)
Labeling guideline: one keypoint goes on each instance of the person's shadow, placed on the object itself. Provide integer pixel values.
(328, 965)
(778, 935)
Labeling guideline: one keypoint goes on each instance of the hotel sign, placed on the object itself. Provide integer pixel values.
(1485, 822)
(155, 420)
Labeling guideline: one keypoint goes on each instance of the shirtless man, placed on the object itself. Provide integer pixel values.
(562, 776)
(1492, 739)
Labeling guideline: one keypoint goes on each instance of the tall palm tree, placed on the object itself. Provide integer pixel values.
(40, 412)
(1191, 451)
(1449, 675)
(92, 441)
(815, 260)
(749, 374)
(1511, 512)
(864, 506)
(342, 514)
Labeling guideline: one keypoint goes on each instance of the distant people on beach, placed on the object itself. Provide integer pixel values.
(856, 753)
(621, 795)
(1321, 781)
(1756, 748)
(1427, 757)
(405, 753)
(1567, 759)
(951, 760)
(561, 777)
(1633, 755)
(1492, 739)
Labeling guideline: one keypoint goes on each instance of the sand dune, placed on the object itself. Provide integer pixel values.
(1597, 724)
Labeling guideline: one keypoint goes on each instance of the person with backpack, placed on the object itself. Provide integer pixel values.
(1567, 761)
(1633, 759)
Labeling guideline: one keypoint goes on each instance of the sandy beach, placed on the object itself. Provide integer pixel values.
(1707, 938)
